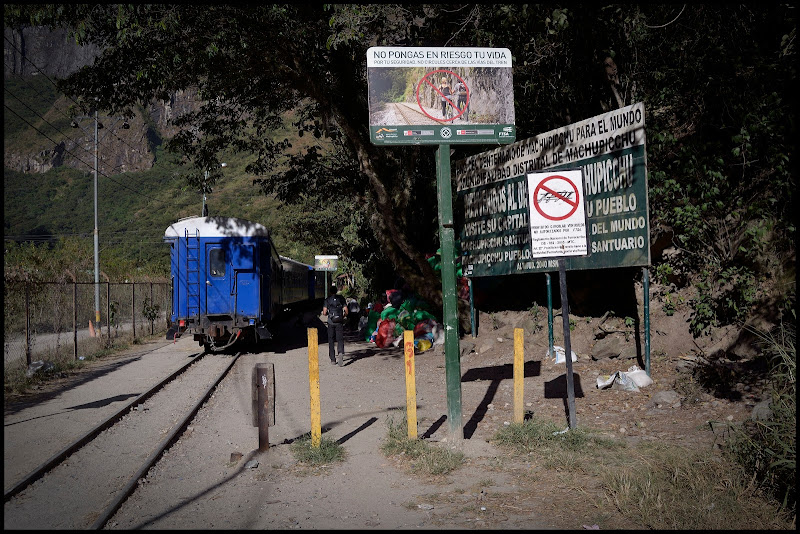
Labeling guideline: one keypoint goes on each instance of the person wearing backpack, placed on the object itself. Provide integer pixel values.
(335, 308)
(461, 92)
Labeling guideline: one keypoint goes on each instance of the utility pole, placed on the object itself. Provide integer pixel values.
(96, 236)
(205, 181)
(97, 126)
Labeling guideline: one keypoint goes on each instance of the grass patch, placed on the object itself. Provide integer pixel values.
(676, 488)
(767, 447)
(329, 451)
(557, 449)
(650, 486)
(424, 458)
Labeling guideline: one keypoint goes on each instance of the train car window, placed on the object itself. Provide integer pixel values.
(216, 262)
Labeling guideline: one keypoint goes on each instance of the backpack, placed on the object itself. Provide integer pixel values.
(335, 309)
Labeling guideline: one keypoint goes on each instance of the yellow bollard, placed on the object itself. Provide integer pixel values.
(519, 376)
(411, 388)
(313, 382)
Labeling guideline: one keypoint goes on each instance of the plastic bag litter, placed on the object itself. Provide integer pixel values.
(422, 344)
(560, 354)
(618, 380)
(639, 376)
(634, 379)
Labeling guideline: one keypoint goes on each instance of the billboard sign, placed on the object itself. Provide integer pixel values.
(492, 195)
(326, 263)
(440, 95)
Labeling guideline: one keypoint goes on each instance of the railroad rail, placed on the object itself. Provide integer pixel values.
(411, 114)
(113, 451)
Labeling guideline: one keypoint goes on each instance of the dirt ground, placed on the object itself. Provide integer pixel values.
(220, 480)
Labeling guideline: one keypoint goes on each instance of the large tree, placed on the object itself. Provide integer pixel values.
(716, 81)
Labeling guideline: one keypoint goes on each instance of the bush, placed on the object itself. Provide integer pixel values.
(767, 447)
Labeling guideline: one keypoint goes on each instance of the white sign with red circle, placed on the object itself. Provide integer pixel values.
(432, 80)
(556, 214)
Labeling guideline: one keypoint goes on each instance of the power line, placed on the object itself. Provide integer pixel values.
(55, 86)
(79, 159)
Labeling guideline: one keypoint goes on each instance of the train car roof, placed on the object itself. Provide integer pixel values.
(215, 227)
(290, 260)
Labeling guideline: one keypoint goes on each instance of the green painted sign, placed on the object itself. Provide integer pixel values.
(492, 192)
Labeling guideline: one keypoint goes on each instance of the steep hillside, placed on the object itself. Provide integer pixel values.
(49, 161)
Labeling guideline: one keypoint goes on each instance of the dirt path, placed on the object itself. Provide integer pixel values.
(201, 482)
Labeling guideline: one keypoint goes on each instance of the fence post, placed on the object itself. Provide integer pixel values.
(133, 308)
(75, 318)
(27, 324)
(151, 304)
(264, 413)
(108, 308)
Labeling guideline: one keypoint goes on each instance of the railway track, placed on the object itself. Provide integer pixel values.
(411, 114)
(83, 485)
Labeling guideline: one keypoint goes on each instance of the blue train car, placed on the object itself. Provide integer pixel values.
(229, 282)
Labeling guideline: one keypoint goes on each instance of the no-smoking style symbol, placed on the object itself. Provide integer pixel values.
(556, 198)
(432, 79)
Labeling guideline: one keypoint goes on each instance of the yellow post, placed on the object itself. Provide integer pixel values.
(313, 382)
(411, 388)
(519, 376)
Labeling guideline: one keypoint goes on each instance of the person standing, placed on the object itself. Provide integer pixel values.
(444, 89)
(461, 93)
(353, 312)
(335, 308)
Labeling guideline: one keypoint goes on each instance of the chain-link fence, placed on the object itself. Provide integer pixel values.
(56, 320)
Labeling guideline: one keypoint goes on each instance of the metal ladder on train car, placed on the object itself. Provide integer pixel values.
(193, 274)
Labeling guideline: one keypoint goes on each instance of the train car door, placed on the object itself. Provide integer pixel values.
(245, 283)
(231, 280)
(218, 280)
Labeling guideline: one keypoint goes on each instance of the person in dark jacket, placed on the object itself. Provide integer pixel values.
(335, 308)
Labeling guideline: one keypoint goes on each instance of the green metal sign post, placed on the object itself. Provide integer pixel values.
(444, 194)
(439, 96)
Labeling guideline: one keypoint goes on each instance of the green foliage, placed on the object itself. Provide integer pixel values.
(23, 110)
(671, 302)
(767, 447)
(112, 314)
(724, 296)
(717, 83)
(663, 272)
(150, 310)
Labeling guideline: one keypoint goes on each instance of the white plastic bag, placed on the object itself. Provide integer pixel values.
(618, 380)
(639, 376)
(560, 354)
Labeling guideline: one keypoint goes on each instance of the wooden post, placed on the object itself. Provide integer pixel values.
(265, 388)
(519, 376)
(313, 383)
(411, 388)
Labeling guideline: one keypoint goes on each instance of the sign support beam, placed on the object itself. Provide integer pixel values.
(450, 305)
(562, 274)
